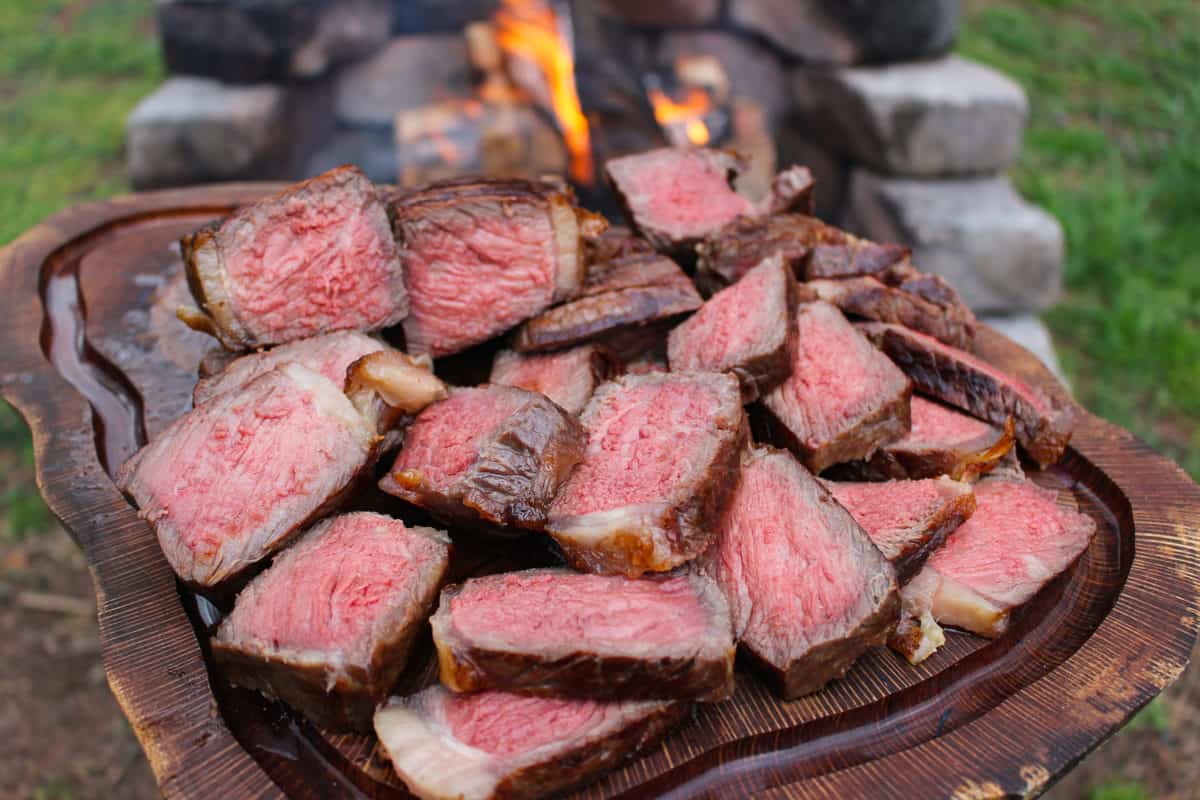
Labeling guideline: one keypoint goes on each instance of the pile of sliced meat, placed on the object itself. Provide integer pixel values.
(807, 464)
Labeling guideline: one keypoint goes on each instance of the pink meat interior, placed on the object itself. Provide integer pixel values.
(560, 376)
(1017, 540)
(320, 261)
(444, 441)
(551, 609)
(890, 511)
(685, 192)
(643, 442)
(934, 423)
(473, 273)
(328, 593)
(507, 724)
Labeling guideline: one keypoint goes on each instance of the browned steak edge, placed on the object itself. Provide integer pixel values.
(953, 514)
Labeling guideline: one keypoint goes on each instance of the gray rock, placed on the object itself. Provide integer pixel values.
(663, 13)
(372, 151)
(193, 130)
(410, 71)
(950, 116)
(439, 16)
(800, 28)
(754, 71)
(831, 172)
(1000, 252)
(898, 30)
(1031, 333)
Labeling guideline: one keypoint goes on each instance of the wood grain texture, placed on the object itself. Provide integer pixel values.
(96, 362)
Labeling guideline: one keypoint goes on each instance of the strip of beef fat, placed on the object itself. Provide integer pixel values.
(567, 377)
(481, 256)
(237, 477)
(448, 746)
(568, 634)
(487, 457)
(843, 399)
(315, 258)
(1018, 540)
(328, 627)
(746, 329)
(1043, 425)
(808, 590)
(676, 196)
(661, 457)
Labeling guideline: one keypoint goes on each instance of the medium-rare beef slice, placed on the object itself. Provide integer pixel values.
(487, 456)
(808, 590)
(942, 442)
(811, 247)
(567, 634)
(611, 309)
(870, 298)
(568, 377)
(628, 272)
(328, 627)
(661, 457)
(1043, 425)
(1018, 540)
(907, 520)
(449, 746)
(233, 480)
(675, 196)
(842, 401)
(745, 329)
(330, 354)
(482, 256)
(315, 258)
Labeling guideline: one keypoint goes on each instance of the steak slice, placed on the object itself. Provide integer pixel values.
(233, 480)
(481, 256)
(330, 354)
(808, 590)
(568, 377)
(840, 402)
(498, 745)
(907, 520)
(487, 456)
(746, 329)
(661, 457)
(615, 241)
(625, 297)
(942, 442)
(562, 633)
(870, 298)
(811, 247)
(1043, 426)
(328, 627)
(315, 258)
(675, 196)
(1017, 541)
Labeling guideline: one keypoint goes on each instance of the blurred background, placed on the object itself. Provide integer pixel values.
(1043, 156)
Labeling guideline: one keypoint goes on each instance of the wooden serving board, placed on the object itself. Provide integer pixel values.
(93, 357)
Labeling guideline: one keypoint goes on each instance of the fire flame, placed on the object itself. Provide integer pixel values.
(687, 114)
(530, 29)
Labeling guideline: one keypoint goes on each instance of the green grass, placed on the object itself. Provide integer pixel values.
(1118, 790)
(1112, 150)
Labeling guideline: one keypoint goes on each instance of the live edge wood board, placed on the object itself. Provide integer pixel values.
(92, 356)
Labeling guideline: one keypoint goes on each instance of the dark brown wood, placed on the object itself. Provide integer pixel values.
(95, 361)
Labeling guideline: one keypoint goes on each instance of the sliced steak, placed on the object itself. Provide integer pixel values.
(808, 590)
(870, 298)
(813, 248)
(330, 354)
(562, 633)
(315, 258)
(568, 377)
(841, 402)
(1017, 541)
(942, 442)
(1043, 426)
(233, 480)
(746, 329)
(907, 520)
(328, 627)
(499, 745)
(487, 456)
(661, 458)
(481, 256)
(613, 242)
(625, 298)
(675, 196)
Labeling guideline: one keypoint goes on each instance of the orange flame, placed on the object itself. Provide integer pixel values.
(686, 114)
(529, 29)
